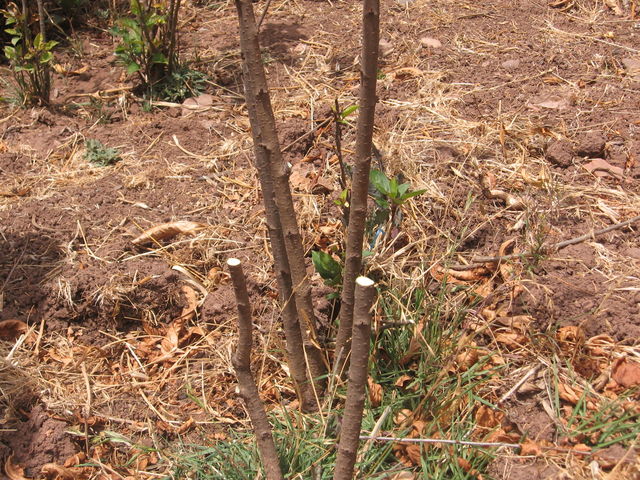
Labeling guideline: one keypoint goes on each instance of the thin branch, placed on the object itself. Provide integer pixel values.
(554, 247)
(264, 13)
(467, 443)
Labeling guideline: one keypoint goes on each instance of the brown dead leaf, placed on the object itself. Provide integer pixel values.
(601, 168)
(403, 418)
(13, 471)
(76, 459)
(529, 447)
(626, 373)
(570, 337)
(511, 340)
(403, 380)
(459, 276)
(488, 418)
(186, 426)
(615, 6)
(191, 297)
(10, 330)
(166, 231)
(414, 453)
(301, 177)
(467, 359)
(53, 471)
(375, 392)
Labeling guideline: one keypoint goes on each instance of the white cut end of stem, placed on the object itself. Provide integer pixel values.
(365, 282)
(233, 262)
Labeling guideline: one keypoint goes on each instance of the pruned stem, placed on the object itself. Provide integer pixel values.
(354, 405)
(269, 161)
(246, 383)
(360, 182)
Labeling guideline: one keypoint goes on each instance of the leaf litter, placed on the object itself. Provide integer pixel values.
(156, 355)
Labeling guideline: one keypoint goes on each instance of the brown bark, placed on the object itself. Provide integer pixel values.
(354, 404)
(269, 158)
(360, 183)
(246, 383)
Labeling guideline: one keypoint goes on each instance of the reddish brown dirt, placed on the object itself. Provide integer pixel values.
(66, 257)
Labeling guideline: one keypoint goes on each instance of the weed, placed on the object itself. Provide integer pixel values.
(99, 155)
(149, 40)
(180, 84)
(29, 56)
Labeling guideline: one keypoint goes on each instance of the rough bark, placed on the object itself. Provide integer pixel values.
(354, 404)
(269, 157)
(360, 182)
(246, 383)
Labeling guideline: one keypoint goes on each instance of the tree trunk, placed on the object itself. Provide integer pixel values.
(354, 405)
(246, 382)
(269, 157)
(360, 182)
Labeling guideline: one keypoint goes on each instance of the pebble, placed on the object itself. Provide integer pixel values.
(510, 64)
(560, 153)
(430, 42)
(385, 47)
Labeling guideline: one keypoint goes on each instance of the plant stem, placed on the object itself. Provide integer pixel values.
(360, 181)
(354, 404)
(281, 217)
(246, 383)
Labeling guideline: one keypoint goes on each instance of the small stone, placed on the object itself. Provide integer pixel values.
(560, 153)
(510, 64)
(591, 144)
(430, 42)
(385, 47)
(632, 66)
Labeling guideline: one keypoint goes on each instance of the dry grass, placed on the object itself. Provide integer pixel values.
(159, 386)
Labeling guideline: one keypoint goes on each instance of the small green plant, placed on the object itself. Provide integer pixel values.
(328, 268)
(389, 195)
(180, 84)
(99, 155)
(149, 40)
(30, 56)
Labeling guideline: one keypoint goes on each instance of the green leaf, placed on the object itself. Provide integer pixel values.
(133, 67)
(9, 52)
(327, 267)
(379, 181)
(46, 57)
(414, 193)
(348, 111)
(15, 40)
(13, 31)
(37, 42)
(159, 57)
(50, 44)
(402, 189)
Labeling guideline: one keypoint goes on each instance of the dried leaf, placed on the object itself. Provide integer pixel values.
(54, 471)
(10, 330)
(403, 380)
(570, 337)
(168, 230)
(488, 418)
(191, 297)
(511, 340)
(601, 168)
(529, 447)
(615, 6)
(375, 392)
(626, 373)
(13, 471)
(403, 417)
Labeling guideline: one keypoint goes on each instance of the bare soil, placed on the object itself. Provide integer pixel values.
(123, 338)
